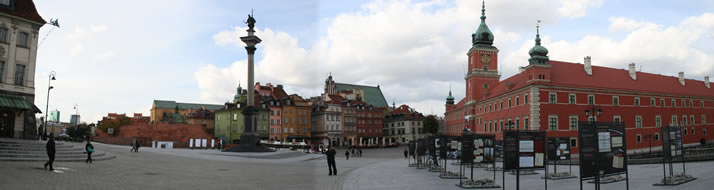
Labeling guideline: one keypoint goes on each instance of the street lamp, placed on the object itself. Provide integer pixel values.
(47, 106)
(509, 125)
(649, 137)
(595, 110)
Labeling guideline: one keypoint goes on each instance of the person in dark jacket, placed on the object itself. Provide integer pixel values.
(347, 155)
(360, 152)
(138, 144)
(331, 160)
(50, 151)
(90, 149)
(406, 153)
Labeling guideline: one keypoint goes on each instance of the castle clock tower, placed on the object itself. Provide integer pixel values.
(482, 63)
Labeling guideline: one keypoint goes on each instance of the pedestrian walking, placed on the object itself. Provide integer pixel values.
(331, 160)
(138, 144)
(133, 145)
(50, 151)
(353, 152)
(360, 152)
(90, 149)
(347, 155)
(406, 153)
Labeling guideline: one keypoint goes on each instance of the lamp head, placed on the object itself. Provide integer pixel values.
(587, 113)
(599, 112)
(51, 87)
(53, 78)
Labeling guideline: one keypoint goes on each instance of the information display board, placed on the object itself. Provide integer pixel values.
(467, 149)
(671, 142)
(432, 145)
(602, 149)
(412, 148)
(443, 147)
(484, 150)
(558, 148)
(524, 149)
(421, 147)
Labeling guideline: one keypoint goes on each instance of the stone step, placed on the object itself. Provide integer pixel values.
(33, 146)
(94, 158)
(40, 152)
(56, 155)
(41, 149)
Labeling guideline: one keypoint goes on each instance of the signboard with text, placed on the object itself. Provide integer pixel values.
(558, 148)
(467, 149)
(524, 149)
(603, 149)
(671, 142)
(484, 150)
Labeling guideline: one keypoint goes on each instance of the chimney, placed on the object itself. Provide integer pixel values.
(681, 78)
(588, 66)
(706, 81)
(521, 69)
(633, 73)
(280, 86)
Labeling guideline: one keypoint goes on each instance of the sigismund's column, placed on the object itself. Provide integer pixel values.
(249, 141)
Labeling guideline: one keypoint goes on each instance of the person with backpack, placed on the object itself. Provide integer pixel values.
(90, 149)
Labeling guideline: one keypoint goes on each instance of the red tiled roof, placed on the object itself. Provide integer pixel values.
(24, 9)
(572, 74)
(336, 99)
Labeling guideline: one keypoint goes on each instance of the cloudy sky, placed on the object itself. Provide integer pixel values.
(119, 56)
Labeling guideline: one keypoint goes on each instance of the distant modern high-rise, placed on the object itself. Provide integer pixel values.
(54, 116)
(74, 120)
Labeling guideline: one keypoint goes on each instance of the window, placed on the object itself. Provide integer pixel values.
(674, 121)
(615, 100)
(591, 99)
(684, 120)
(573, 142)
(637, 101)
(19, 75)
(525, 99)
(691, 103)
(501, 104)
(704, 131)
(525, 123)
(701, 103)
(704, 119)
(552, 97)
(661, 102)
(3, 35)
(674, 103)
(684, 130)
(639, 138)
(573, 123)
(571, 98)
(692, 129)
(616, 119)
(691, 120)
(517, 100)
(684, 104)
(658, 121)
(235, 116)
(652, 102)
(518, 123)
(23, 39)
(509, 102)
(638, 121)
(553, 123)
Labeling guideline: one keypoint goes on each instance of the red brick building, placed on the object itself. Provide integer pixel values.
(552, 96)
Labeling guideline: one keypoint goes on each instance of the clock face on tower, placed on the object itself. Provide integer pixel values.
(485, 58)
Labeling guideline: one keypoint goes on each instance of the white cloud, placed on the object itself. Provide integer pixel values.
(657, 49)
(414, 50)
(622, 24)
(577, 8)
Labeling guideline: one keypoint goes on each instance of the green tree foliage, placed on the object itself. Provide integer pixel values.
(104, 125)
(431, 125)
(79, 131)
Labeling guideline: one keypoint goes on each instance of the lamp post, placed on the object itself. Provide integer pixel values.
(509, 125)
(47, 106)
(648, 137)
(594, 110)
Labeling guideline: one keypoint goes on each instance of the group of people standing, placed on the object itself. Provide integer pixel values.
(357, 153)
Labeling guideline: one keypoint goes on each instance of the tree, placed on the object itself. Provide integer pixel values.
(79, 131)
(431, 125)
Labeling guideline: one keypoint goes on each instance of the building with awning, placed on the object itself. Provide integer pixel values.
(19, 25)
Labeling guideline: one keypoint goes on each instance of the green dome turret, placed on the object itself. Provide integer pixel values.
(238, 94)
(450, 99)
(483, 36)
(538, 53)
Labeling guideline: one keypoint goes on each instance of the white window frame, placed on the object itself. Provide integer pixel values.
(658, 120)
(593, 98)
(617, 118)
(552, 98)
(550, 118)
(637, 101)
(570, 122)
(638, 121)
(615, 100)
(572, 99)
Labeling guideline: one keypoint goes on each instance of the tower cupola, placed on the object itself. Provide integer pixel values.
(483, 36)
(539, 54)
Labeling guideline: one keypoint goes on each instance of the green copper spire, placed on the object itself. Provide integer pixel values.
(450, 98)
(483, 36)
(240, 90)
(539, 54)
